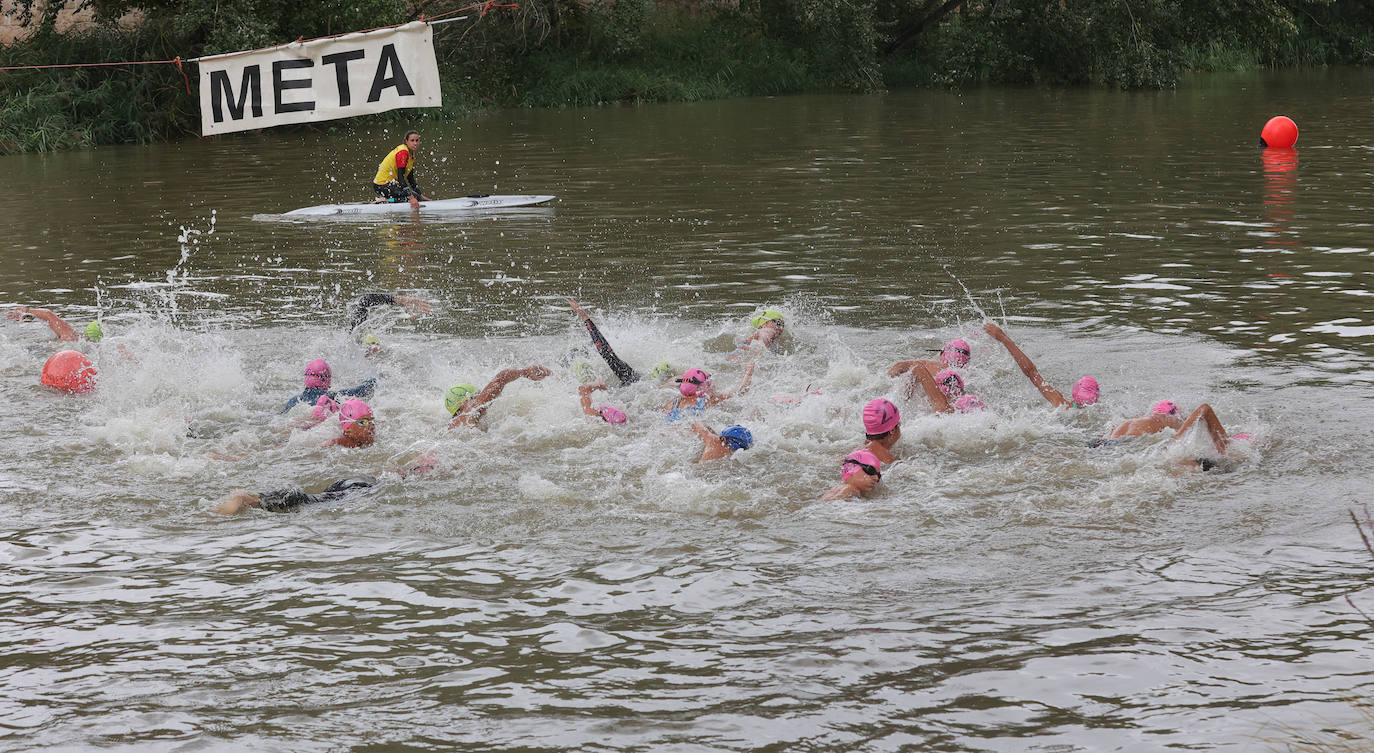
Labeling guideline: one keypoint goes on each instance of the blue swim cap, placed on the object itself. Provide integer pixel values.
(738, 437)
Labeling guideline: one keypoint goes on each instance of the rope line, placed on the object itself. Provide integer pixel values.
(178, 60)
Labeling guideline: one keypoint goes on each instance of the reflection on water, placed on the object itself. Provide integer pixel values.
(560, 583)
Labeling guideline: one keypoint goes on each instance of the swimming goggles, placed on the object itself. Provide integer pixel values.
(865, 467)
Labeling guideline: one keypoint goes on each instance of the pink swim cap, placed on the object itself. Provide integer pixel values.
(1167, 407)
(325, 407)
(317, 374)
(353, 411)
(969, 404)
(1085, 391)
(950, 383)
(956, 352)
(611, 414)
(855, 462)
(880, 416)
(694, 382)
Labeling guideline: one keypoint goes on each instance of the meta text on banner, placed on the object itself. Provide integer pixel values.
(339, 77)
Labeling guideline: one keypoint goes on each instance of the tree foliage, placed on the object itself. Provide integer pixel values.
(565, 52)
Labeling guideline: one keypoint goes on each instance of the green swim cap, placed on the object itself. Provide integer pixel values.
(583, 371)
(93, 332)
(457, 395)
(663, 370)
(371, 340)
(765, 316)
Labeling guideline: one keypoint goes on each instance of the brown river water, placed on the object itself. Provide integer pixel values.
(557, 583)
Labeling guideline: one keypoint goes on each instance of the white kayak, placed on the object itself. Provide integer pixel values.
(466, 203)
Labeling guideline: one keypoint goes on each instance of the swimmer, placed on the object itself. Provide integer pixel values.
(767, 326)
(608, 413)
(318, 377)
(716, 446)
(283, 500)
(954, 355)
(468, 406)
(358, 310)
(1085, 390)
(64, 331)
(1165, 414)
(860, 472)
(882, 428)
(696, 383)
(1215, 431)
(355, 418)
(623, 371)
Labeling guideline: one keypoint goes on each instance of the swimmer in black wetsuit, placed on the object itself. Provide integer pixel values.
(283, 500)
(358, 310)
(623, 371)
(318, 378)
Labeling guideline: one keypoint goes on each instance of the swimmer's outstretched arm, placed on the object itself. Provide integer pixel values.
(762, 339)
(357, 312)
(938, 402)
(743, 387)
(623, 371)
(712, 446)
(64, 331)
(911, 367)
(1215, 430)
(362, 389)
(1055, 397)
(474, 408)
(584, 391)
(237, 501)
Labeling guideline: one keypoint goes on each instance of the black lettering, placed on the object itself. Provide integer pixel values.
(397, 80)
(279, 85)
(220, 90)
(340, 62)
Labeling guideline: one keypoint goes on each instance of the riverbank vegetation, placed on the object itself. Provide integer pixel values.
(552, 53)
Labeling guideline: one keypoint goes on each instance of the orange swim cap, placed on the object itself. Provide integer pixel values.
(69, 371)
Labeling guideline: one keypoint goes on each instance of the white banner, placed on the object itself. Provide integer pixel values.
(355, 74)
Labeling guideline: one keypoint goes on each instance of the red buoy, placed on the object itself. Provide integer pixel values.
(1280, 132)
(69, 371)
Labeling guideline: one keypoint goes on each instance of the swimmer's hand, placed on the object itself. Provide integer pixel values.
(534, 373)
(413, 306)
(900, 368)
(578, 310)
(995, 331)
(19, 313)
(748, 376)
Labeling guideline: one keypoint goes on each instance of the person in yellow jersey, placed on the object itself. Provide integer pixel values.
(395, 179)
